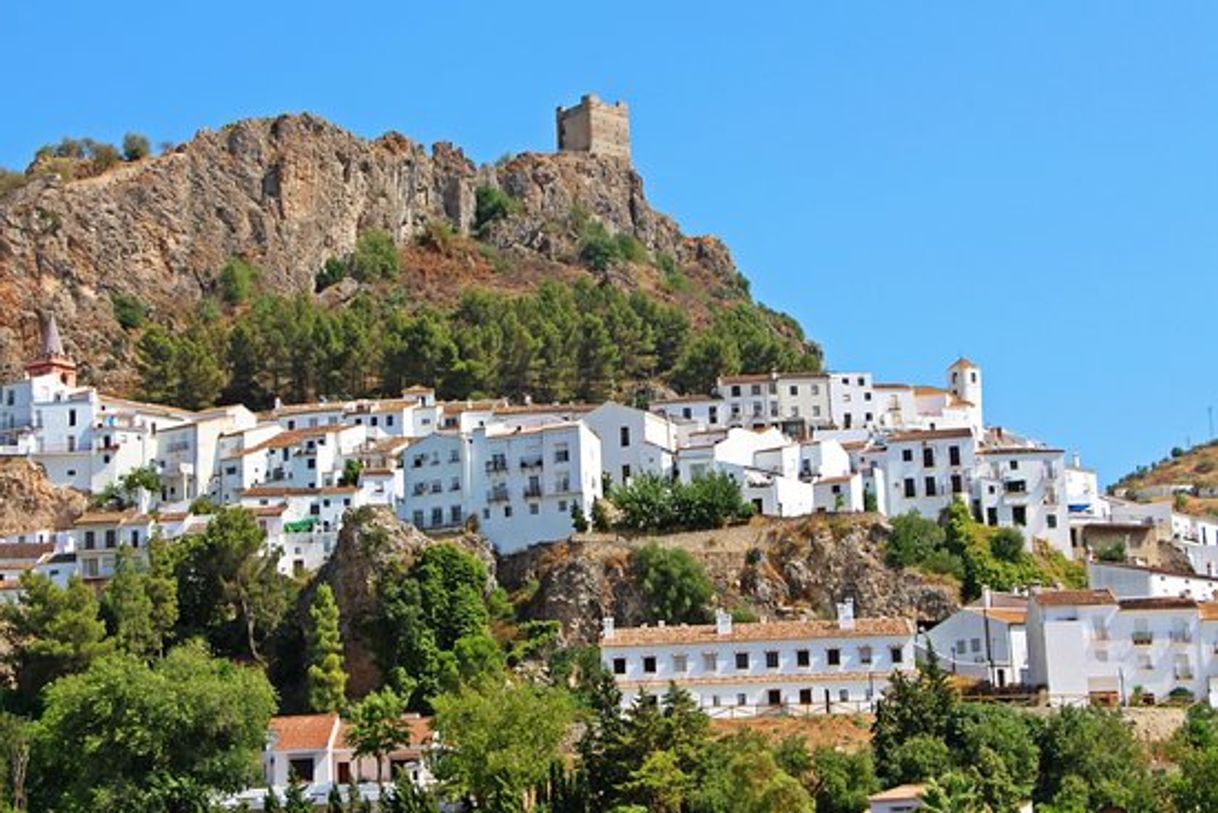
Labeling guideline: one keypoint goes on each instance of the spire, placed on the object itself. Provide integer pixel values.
(52, 345)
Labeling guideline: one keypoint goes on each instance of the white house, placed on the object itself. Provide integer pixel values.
(926, 469)
(852, 402)
(701, 411)
(743, 669)
(986, 640)
(1023, 486)
(633, 441)
(1089, 646)
(1138, 581)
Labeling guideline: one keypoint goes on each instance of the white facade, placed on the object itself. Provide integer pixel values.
(1133, 581)
(852, 402)
(986, 640)
(744, 669)
(1085, 645)
(633, 442)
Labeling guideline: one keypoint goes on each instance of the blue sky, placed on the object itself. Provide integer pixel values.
(1033, 185)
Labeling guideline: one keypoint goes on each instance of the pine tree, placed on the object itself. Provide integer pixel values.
(327, 680)
(295, 800)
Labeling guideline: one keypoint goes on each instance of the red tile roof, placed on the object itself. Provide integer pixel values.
(10, 551)
(1071, 598)
(761, 631)
(303, 732)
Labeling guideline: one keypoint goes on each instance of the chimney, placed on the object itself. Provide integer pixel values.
(723, 622)
(143, 500)
(987, 597)
(607, 628)
(1075, 462)
(845, 614)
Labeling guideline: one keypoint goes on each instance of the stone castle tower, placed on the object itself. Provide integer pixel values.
(595, 127)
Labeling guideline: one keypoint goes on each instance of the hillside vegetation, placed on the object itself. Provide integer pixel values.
(286, 256)
(1196, 468)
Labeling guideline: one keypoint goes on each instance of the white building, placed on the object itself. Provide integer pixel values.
(986, 640)
(633, 442)
(852, 402)
(926, 469)
(746, 669)
(1138, 581)
(1088, 646)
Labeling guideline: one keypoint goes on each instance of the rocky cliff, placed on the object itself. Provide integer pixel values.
(287, 194)
(776, 568)
(29, 501)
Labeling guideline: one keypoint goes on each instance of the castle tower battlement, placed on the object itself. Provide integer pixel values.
(595, 127)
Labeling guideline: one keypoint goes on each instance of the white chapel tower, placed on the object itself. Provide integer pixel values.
(964, 382)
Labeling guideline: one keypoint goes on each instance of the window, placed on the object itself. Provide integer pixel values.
(742, 660)
(714, 414)
(71, 417)
(625, 474)
(771, 659)
(793, 389)
(910, 490)
(833, 657)
(680, 664)
(649, 664)
(907, 455)
(1051, 521)
(957, 484)
(991, 516)
(742, 699)
(710, 662)
(437, 516)
(953, 455)
(301, 768)
(111, 538)
(619, 666)
(803, 657)
(805, 697)
(534, 508)
(735, 390)
(898, 654)
(774, 697)
(454, 456)
(507, 510)
(454, 514)
(843, 695)
(623, 434)
(755, 389)
(1019, 514)
(1014, 465)
(865, 655)
(930, 486)
(90, 540)
(975, 645)
(928, 457)
(135, 538)
(562, 453)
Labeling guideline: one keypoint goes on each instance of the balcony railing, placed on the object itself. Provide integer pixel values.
(496, 465)
(532, 492)
(1143, 638)
(532, 463)
(497, 495)
(1181, 637)
(1184, 674)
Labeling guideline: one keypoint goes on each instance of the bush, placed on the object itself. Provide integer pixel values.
(375, 257)
(598, 250)
(914, 539)
(653, 503)
(129, 311)
(1113, 552)
(1007, 544)
(237, 280)
(492, 204)
(104, 156)
(674, 585)
(332, 273)
(136, 146)
(203, 506)
(10, 180)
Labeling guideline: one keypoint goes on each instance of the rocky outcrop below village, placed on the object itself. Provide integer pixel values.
(774, 568)
(29, 500)
(287, 194)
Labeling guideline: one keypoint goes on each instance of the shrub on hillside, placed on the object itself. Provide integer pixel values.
(491, 204)
(129, 311)
(136, 146)
(237, 279)
(674, 584)
(375, 257)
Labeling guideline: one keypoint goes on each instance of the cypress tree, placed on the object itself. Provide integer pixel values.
(327, 680)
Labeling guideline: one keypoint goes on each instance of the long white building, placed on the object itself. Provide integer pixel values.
(744, 669)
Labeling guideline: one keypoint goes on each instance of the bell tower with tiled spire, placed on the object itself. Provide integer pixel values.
(53, 359)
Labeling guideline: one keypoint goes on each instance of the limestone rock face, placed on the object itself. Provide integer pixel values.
(286, 193)
(29, 501)
(777, 568)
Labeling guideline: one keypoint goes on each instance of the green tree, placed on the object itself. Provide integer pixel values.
(135, 146)
(379, 727)
(375, 257)
(237, 279)
(1098, 749)
(140, 603)
(674, 584)
(912, 706)
(913, 540)
(351, 472)
(660, 782)
(229, 586)
(295, 800)
(952, 793)
(126, 735)
(129, 311)
(491, 204)
(844, 780)
(327, 680)
(500, 739)
(51, 632)
(703, 360)
(16, 737)
(426, 610)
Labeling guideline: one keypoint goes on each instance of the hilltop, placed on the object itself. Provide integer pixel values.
(290, 193)
(1190, 475)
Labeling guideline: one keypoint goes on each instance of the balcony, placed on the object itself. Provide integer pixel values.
(496, 465)
(1143, 638)
(1181, 636)
(528, 463)
(532, 492)
(497, 495)
(419, 489)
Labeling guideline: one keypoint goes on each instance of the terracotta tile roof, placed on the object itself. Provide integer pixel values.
(13, 551)
(962, 362)
(1007, 615)
(1019, 450)
(1158, 603)
(140, 406)
(267, 510)
(316, 406)
(845, 478)
(785, 677)
(892, 386)
(760, 631)
(921, 389)
(421, 733)
(375, 472)
(172, 516)
(898, 794)
(303, 732)
(417, 389)
(686, 399)
(285, 491)
(543, 409)
(1208, 610)
(747, 378)
(928, 434)
(1069, 598)
(110, 518)
(290, 437)
(459, 407)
